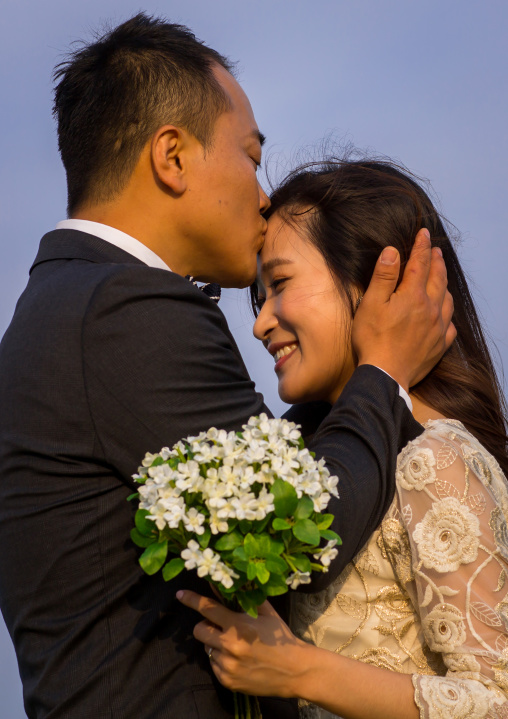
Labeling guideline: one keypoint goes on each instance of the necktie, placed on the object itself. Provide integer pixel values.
(211, 289)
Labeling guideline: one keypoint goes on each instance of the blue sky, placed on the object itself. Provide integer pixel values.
(424, 83)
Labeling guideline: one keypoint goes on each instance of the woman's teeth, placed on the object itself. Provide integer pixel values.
(284, 351)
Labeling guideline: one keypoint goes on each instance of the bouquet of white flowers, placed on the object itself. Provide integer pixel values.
(242, 508)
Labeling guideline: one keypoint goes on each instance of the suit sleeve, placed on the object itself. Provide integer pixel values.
(160, 364)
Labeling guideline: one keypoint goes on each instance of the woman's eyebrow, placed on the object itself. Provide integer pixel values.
(275, 262)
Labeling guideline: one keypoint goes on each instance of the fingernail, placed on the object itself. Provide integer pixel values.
(426, 233)
(439, 251)
(389, 256)
(179, 594)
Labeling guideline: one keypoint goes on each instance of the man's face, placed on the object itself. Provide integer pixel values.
(225, 227)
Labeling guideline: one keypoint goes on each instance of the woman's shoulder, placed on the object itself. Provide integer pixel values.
(443, 443)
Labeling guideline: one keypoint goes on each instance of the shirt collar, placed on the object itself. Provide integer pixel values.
(118, 238)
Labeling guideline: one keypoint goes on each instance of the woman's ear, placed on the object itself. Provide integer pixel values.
(169, 157)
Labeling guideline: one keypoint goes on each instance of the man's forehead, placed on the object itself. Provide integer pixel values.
(239, 100)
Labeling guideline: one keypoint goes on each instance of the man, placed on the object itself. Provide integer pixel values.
(112, 353)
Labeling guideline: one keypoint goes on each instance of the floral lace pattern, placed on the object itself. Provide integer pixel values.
(425, 595)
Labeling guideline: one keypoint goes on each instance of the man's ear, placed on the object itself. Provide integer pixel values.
(169, 150)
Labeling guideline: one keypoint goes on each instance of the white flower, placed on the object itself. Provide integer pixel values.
(321, 502)
(217, 525)
(294, 580)
(193, 521)
(214, 492)
(456, 699)
(327, 554)
(444, 628)
(224, 575)
(149, 458)
(161, 473)
(225, 509)
(264, 504)
(245, 506)
(157, 512)
(175, 511)
(415, 468)
(448, 536)
(204, 452)
(207, 562)
(191, 555)
(188, 476)
(149, 494)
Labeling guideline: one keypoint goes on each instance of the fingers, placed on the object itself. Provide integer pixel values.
(416, 272)
(209, 635)
(384, 278)
(438, 277)
(209, 608)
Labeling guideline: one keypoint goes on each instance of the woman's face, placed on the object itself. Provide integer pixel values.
(304, 321)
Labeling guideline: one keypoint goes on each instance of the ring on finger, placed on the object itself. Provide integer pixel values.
(209, 651)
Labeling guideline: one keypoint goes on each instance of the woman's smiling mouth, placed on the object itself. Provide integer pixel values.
(283, 354)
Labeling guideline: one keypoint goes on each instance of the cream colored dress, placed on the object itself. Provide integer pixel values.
(427, 595)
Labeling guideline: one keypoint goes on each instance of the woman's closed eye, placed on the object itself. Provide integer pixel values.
(278, 283)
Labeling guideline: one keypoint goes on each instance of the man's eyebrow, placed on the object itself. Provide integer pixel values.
(275, 262)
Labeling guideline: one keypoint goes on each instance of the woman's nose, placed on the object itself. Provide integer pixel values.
(264, 324)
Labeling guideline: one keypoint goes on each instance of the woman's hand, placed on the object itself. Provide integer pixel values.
(255, 656)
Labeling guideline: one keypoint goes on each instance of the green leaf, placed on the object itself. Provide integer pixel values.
(280, 524)
(264, 545)
(251, 571)
(228, 542)
(251, 546)
(275, 586)
(285, 498)
(276, 547)
(240, 565)
(276, 564)
(306, 531)
(260, 524)
(140, 540)
(262, 572)
(258, 595)
(301, 562)
(328, 534)
(132, 496)
(245, 526)
(145, 526)
(304, 508)
(247, 604)
(323, 521)
(204, 539)
(154, 557)
(239, 553)
(173, 568)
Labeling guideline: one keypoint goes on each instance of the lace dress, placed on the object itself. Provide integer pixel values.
(427, 595)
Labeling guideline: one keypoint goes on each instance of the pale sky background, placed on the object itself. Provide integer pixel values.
(424, 83)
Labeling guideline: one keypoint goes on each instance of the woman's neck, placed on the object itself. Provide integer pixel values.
(422, 412)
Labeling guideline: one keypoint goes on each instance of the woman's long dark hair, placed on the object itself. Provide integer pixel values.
(351, 210)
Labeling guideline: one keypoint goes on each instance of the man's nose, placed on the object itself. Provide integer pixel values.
(264, 200)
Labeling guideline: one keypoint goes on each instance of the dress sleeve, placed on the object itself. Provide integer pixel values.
(454, 500)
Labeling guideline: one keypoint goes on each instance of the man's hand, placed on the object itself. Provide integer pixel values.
(406, 331)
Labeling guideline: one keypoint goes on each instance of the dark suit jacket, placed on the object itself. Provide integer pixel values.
(106, 359)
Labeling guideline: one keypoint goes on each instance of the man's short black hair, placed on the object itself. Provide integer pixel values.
(113, 94)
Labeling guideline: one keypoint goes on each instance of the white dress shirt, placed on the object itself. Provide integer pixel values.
(116, 237)
(145, 254)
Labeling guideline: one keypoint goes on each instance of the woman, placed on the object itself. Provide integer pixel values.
(417, 624)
